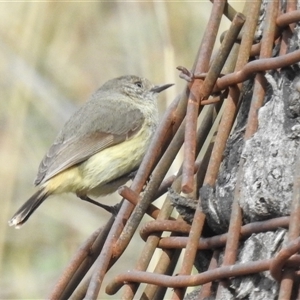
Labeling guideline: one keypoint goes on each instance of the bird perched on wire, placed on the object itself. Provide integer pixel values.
(101, 144)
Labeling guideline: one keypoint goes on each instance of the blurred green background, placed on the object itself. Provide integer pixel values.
(53, 55)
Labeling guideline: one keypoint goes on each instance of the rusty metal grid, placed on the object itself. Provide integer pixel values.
(215, 94)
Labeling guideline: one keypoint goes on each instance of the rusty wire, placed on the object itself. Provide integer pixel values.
(218, 241)
(235, 224)
(187, 185)
(179, 125)
(194, 99)
(294, 231)
(149, 248)
(206, 288)
(190, 146)
(203, 92)
(257, 66)
(81, 263)
(289, 17)
(282, 256)
(180, 281)
(167, 257)
(287, 281)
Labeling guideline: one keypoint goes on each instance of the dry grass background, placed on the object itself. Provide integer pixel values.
(53, 55)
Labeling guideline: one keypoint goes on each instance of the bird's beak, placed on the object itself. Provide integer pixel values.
(160, 88)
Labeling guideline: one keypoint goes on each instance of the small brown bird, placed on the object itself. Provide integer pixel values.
(100, 145)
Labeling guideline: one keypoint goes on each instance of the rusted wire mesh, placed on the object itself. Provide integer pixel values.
(220, 89)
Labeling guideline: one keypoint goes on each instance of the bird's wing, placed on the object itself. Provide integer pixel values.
(90, 130)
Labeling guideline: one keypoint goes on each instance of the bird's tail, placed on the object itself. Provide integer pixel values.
(25, 211)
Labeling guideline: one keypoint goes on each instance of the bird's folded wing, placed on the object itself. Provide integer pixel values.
(69, 151)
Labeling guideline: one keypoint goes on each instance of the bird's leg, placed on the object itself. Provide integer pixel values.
(111, 209)
(110, 187)
(132, 174)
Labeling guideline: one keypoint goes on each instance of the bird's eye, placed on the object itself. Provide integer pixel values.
(139, 84)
